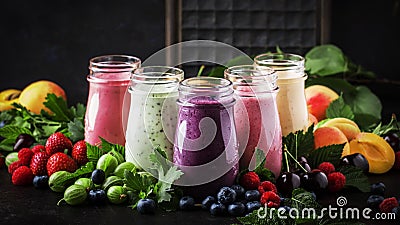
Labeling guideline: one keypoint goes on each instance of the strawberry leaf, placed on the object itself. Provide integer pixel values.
(330, 153)
(355, 178)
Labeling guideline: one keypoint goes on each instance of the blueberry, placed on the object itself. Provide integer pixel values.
(378, 189)
(98, 176)
(374, 201)
(41, 181)
(226, 195)
(207, 202)
(252, 195)
(217, 209)
(251, 206)
(146, 206)
(314, 195)
(396, 211)
(186, 203)
(236, 209)
(97, 196)
(239, 191)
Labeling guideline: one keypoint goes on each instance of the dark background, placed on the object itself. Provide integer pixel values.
(54, 40)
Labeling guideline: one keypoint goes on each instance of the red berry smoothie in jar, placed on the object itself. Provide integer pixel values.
(256, 115)
(205, 147)
(109, 79)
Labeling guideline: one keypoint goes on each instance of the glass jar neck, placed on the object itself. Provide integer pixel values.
(286, 66)
(252, 78)
(206, 91)
(157, 75)
(112, 68)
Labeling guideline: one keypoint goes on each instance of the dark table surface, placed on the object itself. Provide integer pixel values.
(27, 205)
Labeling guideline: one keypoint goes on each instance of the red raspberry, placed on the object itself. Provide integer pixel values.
(267, 186)
(388, 204)
(13, 166)
(60, 161)
(79, 153)
(271, 199)
(22, 176)
(38, 163)
(336, 181)
(326, 167)
(25, 156)
(250, 181)
(38, 148)
(58, 142)
(397, 161)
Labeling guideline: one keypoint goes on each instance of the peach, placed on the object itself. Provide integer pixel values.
(8, 97)
(33, 96)
(325, 136)
(318, 98)
(349, 128)
(375, 149)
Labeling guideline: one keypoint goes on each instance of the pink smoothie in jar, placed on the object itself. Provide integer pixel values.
(256, 116)
(109, 79)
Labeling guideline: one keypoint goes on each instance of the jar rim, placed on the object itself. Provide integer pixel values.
(204, 83)
(114, 63)
(248, 71)
(157, 74)
(280, 61)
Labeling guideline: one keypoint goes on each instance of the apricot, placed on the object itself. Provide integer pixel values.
(8, 97)
(325, 136)
(318, 98)
(33, 96)
(312, 120)
(349, 128)
(375, 149)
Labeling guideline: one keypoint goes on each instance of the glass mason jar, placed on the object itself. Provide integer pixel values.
(256, 115)
(205, 147)
(152, 117)
(108, 79)
(291, 100)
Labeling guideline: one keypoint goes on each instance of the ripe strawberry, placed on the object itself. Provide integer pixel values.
(22, 176)
(58, 142)
(60, 161)
(250, 181)
(13, 166)
(38, 163)
(25, 156)
(79, 153)
(38, 148)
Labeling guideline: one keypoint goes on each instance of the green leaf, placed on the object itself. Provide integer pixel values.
(7, 144)
(264, 173)
(366, 106)
(50, 129)
(299, 143)
(76, 130)
(78, 111)
(12, 132)
(356, 178)
(59, 107)
(392, 126)
(330, 153)
(166, 183)
(338, 108)
(93, 152)
(325, 60)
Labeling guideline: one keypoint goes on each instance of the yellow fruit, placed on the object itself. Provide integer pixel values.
(7, 97)
(325, 136)
(349, 128)
(33, 96)
(375, 149)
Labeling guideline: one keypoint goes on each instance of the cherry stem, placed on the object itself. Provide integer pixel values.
(287, 162)
(297, 162)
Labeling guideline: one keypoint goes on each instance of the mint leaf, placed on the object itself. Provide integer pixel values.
(93, 152)
(330, 153)
(12, 132)
(7, 144)
(338, 108)
(356, 178)
(76, 130)
(59, 107)
(264, 173)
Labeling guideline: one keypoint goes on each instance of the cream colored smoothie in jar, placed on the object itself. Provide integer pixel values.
(153, 114)
(291, 100)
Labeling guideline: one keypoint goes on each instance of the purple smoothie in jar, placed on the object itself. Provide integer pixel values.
(205, 147)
